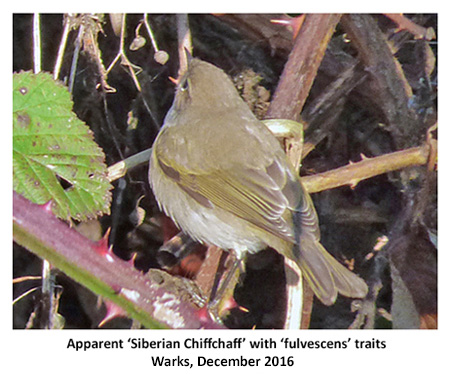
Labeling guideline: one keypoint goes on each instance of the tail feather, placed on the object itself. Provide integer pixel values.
(326, 275)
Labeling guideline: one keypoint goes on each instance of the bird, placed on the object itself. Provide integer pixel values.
(224, 179)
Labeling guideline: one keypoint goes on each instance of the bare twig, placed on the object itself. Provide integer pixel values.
(388, 81)
(418, 31)
(133, 70)
(26, 278)
(119, 169)
(160, 56)
(150, 33)
(259, 27)
(36, 43)
(301, 68)
(123, 57)
(76, 54)
(322, 113)
(353, 173)
(92, 27)
(184, 41)
(62, 45)
(348, 175)
(26, 293)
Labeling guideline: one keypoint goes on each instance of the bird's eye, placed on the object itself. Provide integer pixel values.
(184, 85)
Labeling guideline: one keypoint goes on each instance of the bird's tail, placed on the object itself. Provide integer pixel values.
(326, 276)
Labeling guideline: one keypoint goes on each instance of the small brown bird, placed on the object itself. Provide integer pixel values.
(224, 179)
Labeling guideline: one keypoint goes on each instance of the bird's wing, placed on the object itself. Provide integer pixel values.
(263, 197)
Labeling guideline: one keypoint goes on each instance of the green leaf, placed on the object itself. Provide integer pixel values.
(51, 145)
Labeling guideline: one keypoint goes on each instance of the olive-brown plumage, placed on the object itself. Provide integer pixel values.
(224, 179)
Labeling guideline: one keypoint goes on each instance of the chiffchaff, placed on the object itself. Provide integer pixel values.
(225, 180)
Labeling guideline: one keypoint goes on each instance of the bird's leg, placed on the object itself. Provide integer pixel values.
(221, 293)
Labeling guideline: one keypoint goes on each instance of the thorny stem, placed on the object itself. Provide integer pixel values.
(152, 299)
(353, 173)
(347, 175)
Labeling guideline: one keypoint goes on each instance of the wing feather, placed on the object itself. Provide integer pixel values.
(255, 195)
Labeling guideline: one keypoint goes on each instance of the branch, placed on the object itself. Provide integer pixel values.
(301, 68)
(289, 98)
(418, 31)
(257, 27)
(120, 169)
(392, 90)
(153, 299)
(353, 173)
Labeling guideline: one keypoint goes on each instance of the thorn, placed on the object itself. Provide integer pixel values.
(243, 309)
(48, 206)
(294, 24)
(369, 256)
(132, 260)
(381, 242)
(228, 304)
(112, 311)
(385, 314)
(363, 156)
(174, 80)
(353, 184)
(102, 247)
(203, 314)
(103, 242)
(188, 54)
